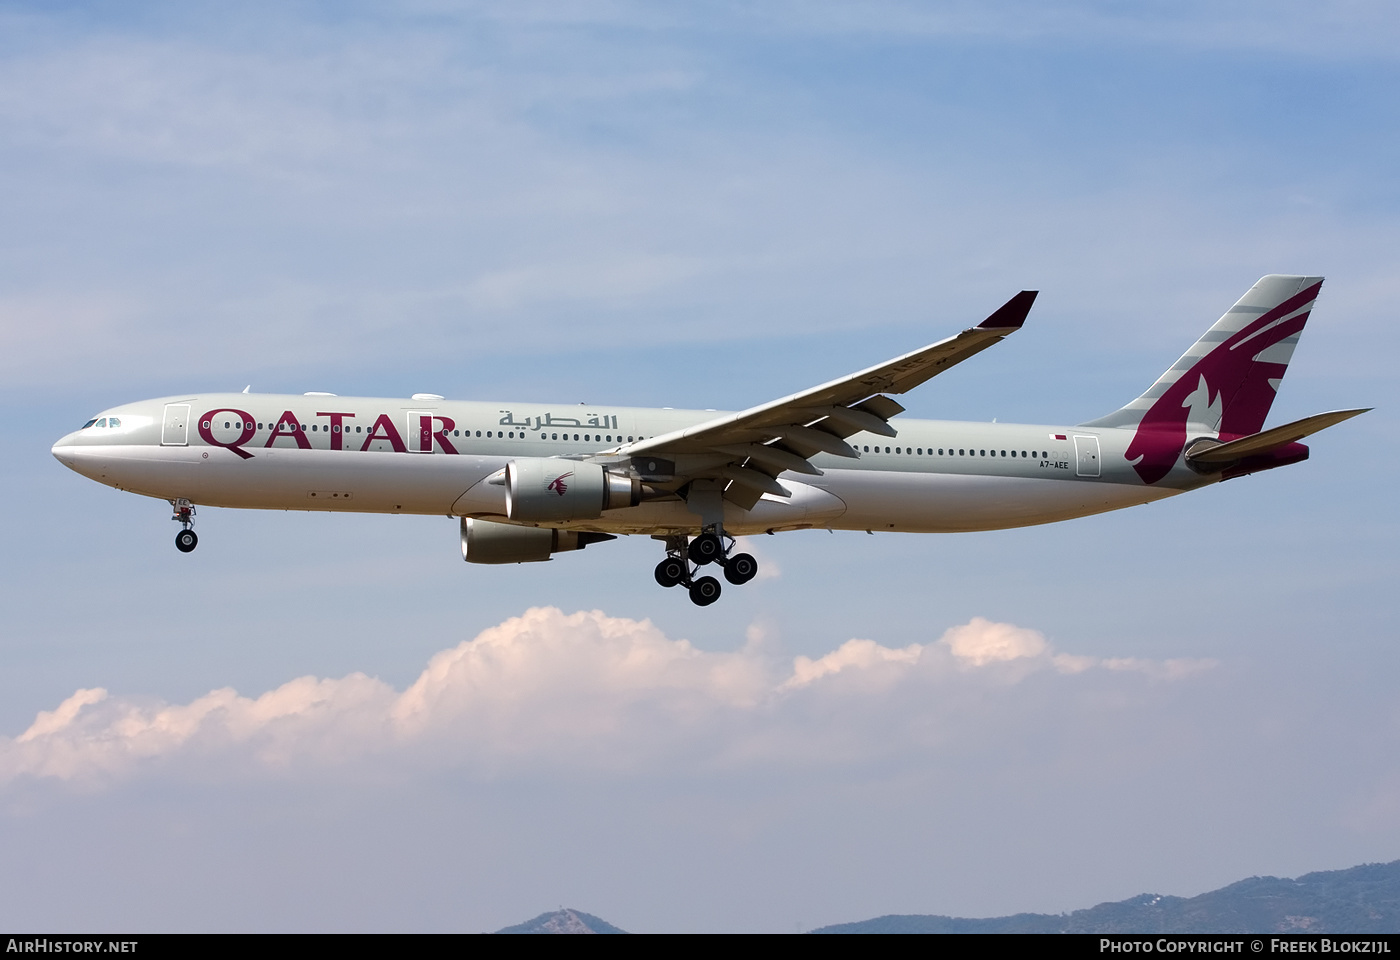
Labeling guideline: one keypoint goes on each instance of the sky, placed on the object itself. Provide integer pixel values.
(321, 722)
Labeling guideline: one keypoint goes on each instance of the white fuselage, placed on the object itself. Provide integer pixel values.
(436, 457)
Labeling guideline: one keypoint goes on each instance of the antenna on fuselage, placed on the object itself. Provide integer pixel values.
(247, 388)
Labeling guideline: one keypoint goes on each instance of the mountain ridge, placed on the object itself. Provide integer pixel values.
(1360, 899)
(563, 920)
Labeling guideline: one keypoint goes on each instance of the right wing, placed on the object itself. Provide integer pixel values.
(751, 448)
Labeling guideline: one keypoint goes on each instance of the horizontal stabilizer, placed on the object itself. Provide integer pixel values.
(1203, 451)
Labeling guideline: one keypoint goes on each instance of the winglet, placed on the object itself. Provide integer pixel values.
(1012, 313)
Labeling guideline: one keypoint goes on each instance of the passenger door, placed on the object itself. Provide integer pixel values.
(1086, 456)
(175, 429)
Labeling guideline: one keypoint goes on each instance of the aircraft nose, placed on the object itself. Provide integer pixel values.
(65, 451)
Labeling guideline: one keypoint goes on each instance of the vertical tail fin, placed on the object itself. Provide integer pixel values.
(1224, 385)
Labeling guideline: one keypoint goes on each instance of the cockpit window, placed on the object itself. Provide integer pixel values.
(88, 424)
(101, 423)
(113, 422)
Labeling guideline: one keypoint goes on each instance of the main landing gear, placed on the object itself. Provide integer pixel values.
(186, 540)
(684, 560)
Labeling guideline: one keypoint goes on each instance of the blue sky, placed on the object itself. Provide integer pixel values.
(703, 206)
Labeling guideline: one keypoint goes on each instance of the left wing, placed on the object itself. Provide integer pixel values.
(1212, 451)
(751, 448)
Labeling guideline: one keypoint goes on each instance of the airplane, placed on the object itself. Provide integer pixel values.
(529, 480)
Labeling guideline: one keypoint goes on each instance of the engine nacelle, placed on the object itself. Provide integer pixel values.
(484, 541)
(540, 489)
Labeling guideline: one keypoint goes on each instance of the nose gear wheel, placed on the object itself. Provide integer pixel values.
(186, 540)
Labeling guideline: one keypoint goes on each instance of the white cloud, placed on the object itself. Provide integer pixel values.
(547, 689)
(1164, 669)
(861, 655)
(53, 721)
(981, 642)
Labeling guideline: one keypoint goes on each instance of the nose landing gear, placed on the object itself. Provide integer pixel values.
(186, 540)
(684, 560)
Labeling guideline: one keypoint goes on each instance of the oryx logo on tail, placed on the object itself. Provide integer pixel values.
(1224, 385)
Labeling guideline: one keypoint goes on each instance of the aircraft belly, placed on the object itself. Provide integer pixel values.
(282, 479)
(947, 503)
(299, 479)
(809, 506)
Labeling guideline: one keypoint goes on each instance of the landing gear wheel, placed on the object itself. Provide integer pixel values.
(670, 572)
(186, 540)
(740, 568)
(706, 548)
(704, 591)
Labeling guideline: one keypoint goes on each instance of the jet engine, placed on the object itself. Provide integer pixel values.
(541, 489)
(485, 541)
